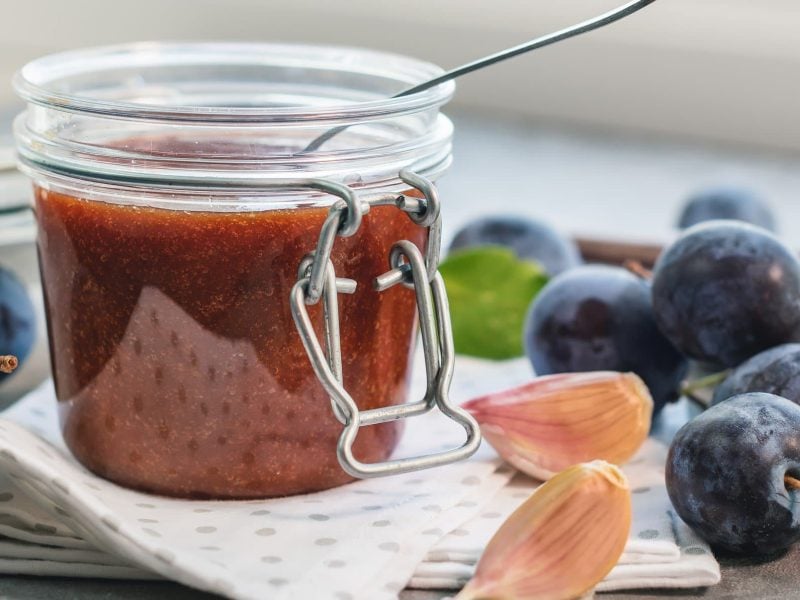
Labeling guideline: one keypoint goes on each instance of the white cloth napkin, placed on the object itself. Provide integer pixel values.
(364, 540)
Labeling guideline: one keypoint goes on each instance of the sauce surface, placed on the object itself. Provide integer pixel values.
(177, 364)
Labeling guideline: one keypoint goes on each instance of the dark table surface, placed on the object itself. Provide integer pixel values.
(776, 580)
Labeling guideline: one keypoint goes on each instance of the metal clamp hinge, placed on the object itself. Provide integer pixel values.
(317, 281)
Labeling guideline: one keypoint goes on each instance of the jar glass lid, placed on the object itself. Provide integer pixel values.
(231, 82)
(229, 114)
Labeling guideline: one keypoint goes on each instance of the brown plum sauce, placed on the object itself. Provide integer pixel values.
(177, 364)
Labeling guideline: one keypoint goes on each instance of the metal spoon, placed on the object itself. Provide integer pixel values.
(551, 38)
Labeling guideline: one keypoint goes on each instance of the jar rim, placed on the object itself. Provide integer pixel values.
(42, 81)
(217, 115)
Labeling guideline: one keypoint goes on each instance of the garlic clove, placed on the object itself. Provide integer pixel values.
(561, 542)
(556, 421)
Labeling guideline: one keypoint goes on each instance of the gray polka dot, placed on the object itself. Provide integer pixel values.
(696, 550)
(383, 523)
(648, 534)
(147, 520)
(206, 529)
(259, 513)
(312, 501)
(335, 564)
(372, 507)
(390, 546)
(325, 542)
(145, 505)
(471, 480)
(343, 596)
(491, 515)
(414, 481)
(432, 508)
(363, 492)
(467, 504)
(421, 495)
(641, 490)
(318, 517)
(437, 532)
(61, 511)
(45, 529)
(278, 581)
(6, 497)
(210, 548)
(265, 532)
(152, 532)
(271, 560)
(460, 532)
(202, 510)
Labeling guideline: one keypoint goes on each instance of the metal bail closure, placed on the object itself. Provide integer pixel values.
(408, 267)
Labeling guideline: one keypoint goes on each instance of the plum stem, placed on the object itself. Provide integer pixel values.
(706, 381)
(791, 482)
(638, 269)
(8, 363)
(690, 388)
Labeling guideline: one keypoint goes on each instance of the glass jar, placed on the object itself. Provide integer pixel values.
(175, 204)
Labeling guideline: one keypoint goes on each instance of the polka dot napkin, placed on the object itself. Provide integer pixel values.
(363, 540)
(368, 539)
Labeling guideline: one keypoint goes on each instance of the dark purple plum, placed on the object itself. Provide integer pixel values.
(598, 318)
(727, 203)
(17, 318)
(726, 473)
(529, 239)
(774, 371)
(725, 291)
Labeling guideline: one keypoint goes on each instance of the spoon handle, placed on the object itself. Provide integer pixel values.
(546, 40)
(551, 38)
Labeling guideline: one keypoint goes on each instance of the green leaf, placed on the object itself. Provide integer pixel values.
(490, 290)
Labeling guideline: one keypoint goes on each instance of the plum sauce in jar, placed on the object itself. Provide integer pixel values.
(167, 260)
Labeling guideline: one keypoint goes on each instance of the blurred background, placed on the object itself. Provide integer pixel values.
(721, 70)
(605, 135)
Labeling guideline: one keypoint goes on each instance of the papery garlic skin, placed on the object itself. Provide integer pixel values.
(561, 542)
(555, 421)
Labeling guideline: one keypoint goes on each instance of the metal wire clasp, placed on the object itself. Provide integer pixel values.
(317, 281)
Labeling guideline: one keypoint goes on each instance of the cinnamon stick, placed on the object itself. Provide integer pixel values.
(8, 363)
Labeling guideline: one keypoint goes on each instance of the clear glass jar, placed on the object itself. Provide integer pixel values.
(167, 263)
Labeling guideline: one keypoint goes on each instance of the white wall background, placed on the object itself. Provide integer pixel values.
(721, 70)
